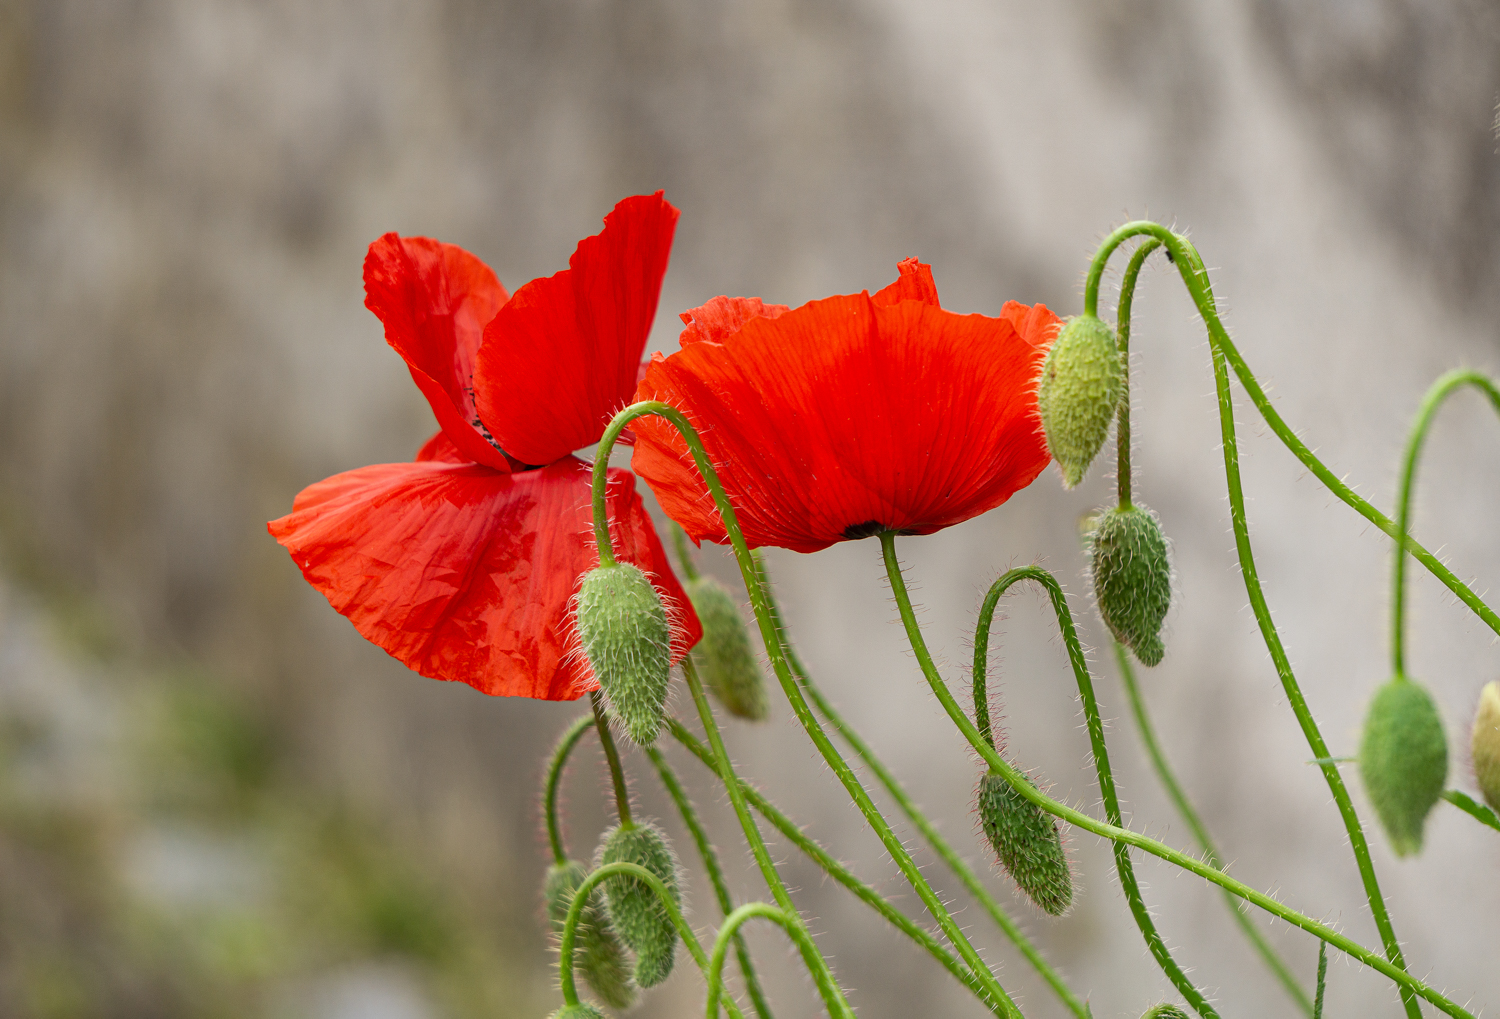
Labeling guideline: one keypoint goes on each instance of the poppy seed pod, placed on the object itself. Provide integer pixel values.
(634, 908)
(597, 952)
(582, 1010)
(1026, 840)
(1403, 760)
(626, 638)
(1485, 745)
(1132, 579)
(1164, 1011)
(1080, 390)
(724, 654)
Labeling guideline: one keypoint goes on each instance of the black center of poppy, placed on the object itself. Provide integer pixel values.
(870, 527)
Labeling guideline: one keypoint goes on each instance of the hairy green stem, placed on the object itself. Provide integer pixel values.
(1440, 391)
(1200, 832)
(715, 874)
(1317, 1011)
(840, 873)
(750, 574)
(1478, 811)
(730, 931)
(581, 894)
(935, 839)
(616, 772)
(1122, 334)
(560, 755)
(1123, 865)
(1195, 277)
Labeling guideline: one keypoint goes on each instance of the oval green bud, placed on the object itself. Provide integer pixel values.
(1026, 839)
(636, 912)
(1165, 1011)
(582, 1010)
(1080, 390)
(725, 655)
(1403, 760)
(1132, 579)
(626, 638)
(1485, 745)
(597, 952)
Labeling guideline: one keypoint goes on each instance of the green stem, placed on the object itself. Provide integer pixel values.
(1115, 833)
(564, 749)
(729, 931)
(1195, 278)
(1317, 1012)
(581, 895)
(749, 573)
(1440, 391)
(715, 873)
(840, 873)
(684, 554)
(1123, 865)
(1200, 832)
(1478, 811)
(1122, 332)
(940, 845)
(616, 773)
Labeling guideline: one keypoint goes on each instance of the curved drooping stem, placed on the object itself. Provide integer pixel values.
(935, 839)
(1123, 865)
(840, 767)
(840, 873)
(1440, 391)
(715, 874)
(616, 772)
(1122, 338)
(1116, 833)
(729, 931)
(581, 895)
(1478, 811)
(559, 760)
(1205, 842)
(1195, 277)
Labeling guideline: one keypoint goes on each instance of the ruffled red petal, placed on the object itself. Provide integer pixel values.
(562, 356)
(723, 316)
(844, 417)
(465, 573)
(435, 300)
(914, 284)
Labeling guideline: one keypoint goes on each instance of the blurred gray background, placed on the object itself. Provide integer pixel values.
(219, 800)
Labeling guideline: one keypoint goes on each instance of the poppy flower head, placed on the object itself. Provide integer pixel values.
(848, 416)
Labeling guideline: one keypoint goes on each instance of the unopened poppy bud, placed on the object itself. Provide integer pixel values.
(1133, 579)
(635, 910)
(724, 654)
(597, 952)
(1026, 840)
(582, 1010)
(1165, 1011)
(1082, 382)
(625, 636)
(1403, 760)
(1486, 744)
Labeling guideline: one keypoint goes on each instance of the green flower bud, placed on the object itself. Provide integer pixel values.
(1165, 1011)
(724, 654)
(597, 952)
(1403, 760)
(582, 1010)
(627, 641)
(635, 910)
(1082, 383)
(1486, 744)
(1132, 579)
(1026, 840)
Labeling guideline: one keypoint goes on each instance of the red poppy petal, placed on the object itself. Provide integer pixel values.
(844, 416)
(914, 284)
(1036, 324)
(442, 449)
(435, 299)
(562, 356)
(464, 573)
(722, 316)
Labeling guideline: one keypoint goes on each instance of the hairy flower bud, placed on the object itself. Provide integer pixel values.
(1080, 390)
(1403, 760)
(597, 952)
(725, 656)
(1132, 579)
(1026, 840)
(582, 1010)
(626, 638)
(1165, 1011)
(634, 908)
(1485, 745)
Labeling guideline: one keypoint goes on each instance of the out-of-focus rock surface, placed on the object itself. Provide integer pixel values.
(187, 189)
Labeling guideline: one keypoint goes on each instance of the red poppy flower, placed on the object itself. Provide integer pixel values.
(847, 416)
(463, 563)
